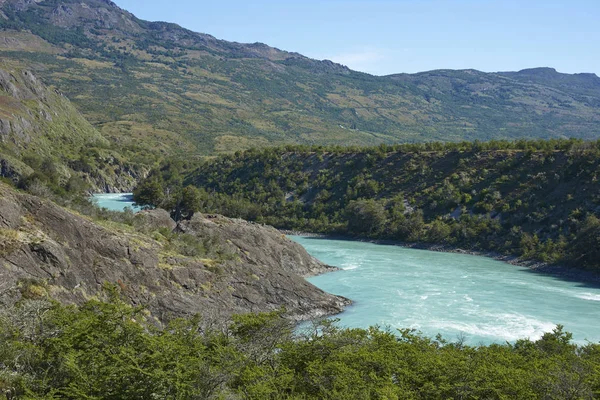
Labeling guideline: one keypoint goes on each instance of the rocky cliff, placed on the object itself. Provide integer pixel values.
(209, 265)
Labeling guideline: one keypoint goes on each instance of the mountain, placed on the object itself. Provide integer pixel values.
(156, 88)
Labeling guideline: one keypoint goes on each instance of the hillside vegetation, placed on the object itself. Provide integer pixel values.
(48, 147)
(108, 351)
(537, 200)
(154, 87)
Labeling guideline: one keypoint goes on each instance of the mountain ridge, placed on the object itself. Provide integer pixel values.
(162, 89)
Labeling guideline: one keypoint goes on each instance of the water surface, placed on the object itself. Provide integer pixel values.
(456, 295)
(115, 201)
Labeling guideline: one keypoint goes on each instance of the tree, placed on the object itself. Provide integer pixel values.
(438, 232)
(149, 193)
(585, 248)
(410, 227)
(190, 201)
(365, 216)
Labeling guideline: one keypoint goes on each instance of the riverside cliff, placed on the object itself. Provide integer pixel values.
(212, 266)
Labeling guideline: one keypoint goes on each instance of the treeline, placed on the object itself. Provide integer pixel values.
(535, 199)
(107, 350)
(572, 144)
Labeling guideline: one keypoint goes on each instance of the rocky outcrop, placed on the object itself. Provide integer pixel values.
(71, 258)
(13, 169)
(116, 177)
(157, 219)
(103, 14)
(259, 244)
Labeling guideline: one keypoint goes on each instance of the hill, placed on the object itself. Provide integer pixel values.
(154, 87)
(46, 145)
(536, 200)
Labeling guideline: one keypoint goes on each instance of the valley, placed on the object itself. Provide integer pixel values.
(155, 182)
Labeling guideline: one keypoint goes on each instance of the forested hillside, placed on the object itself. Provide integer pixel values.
(48, 147)
(157, 88)
(539, 200)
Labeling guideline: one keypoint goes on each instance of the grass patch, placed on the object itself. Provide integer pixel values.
(10, 240)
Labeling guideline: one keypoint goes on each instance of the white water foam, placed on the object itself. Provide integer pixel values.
(589, 296)
(508, 327)
(113, 196)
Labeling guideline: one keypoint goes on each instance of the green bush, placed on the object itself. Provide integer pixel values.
(108, 350)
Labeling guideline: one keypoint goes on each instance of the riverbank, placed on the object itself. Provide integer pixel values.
(535, 266)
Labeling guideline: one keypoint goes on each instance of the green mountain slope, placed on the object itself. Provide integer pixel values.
(159, 88)
(45, 143)
(537, 200)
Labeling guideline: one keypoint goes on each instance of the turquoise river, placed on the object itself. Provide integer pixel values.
(478, 299)
(114, 201)
(475, 298)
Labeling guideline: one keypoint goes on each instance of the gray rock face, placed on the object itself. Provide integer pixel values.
(156, 219)
(73, 258)
(5, 129)
(102, 13)
(34, 85)
(30, 89)
(124, 179)
(7, 84)
(260, 244)
(17, 129)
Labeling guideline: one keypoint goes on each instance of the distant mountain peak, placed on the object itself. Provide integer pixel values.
(586, 83)
(587, 75)
(536, 70)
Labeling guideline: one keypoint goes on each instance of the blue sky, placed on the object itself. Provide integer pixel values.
(390, 36)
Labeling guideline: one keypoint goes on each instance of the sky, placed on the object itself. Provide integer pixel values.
(391, 36)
